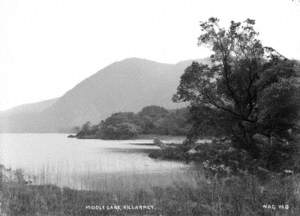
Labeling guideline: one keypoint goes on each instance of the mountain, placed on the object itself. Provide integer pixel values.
(127, 85)
(29, 108)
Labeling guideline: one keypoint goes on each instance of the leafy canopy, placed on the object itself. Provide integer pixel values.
(249, 92)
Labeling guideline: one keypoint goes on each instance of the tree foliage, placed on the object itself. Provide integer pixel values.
(150, 120)
(249, 92)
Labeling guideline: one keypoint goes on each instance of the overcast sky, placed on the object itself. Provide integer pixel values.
(48, 46)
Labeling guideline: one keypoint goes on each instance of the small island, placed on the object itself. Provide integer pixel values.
(151, 121)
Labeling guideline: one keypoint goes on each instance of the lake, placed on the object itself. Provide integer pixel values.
(103, 165)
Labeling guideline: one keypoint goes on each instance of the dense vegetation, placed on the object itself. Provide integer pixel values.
(128, 125)
(213, 196)
(251, 94)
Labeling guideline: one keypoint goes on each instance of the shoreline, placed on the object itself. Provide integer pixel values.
(139, 137)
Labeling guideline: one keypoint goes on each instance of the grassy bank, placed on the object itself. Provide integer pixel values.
(210, 195)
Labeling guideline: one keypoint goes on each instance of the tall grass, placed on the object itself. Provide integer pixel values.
(210, 195)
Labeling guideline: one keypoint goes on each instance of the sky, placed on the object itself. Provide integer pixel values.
(49, 46)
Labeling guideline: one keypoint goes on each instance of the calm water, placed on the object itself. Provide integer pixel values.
(88, 164)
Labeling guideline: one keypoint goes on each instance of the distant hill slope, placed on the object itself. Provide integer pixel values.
(127, 85)
(29, 108)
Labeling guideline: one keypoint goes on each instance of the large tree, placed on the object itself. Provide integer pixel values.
(251, 92)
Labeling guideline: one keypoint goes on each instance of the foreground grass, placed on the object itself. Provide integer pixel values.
(210, 195)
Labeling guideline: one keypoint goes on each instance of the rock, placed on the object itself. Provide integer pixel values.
(288, 171)
(159, 143)
(192, 151)
(72, 136)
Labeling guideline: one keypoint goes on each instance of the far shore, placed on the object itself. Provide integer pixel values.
(142, 137)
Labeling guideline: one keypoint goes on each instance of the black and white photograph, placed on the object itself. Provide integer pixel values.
(149, 107)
